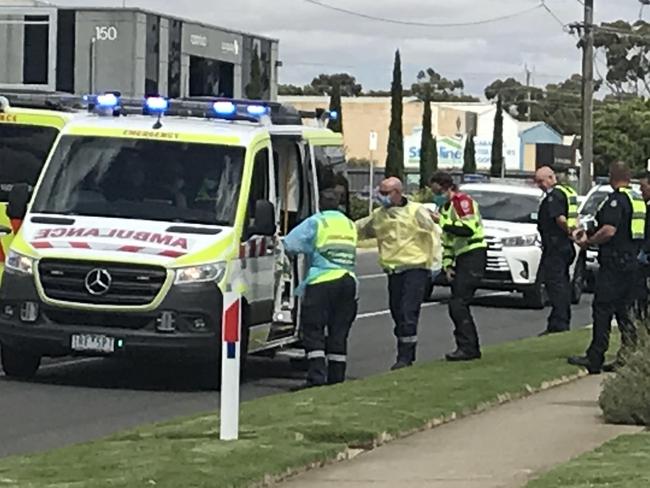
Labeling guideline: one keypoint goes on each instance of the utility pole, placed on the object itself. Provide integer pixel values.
(529, 104)
(587, 99)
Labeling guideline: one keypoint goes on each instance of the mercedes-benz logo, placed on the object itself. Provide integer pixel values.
(98, 282)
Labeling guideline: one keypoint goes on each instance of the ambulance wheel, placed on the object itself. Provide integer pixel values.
(299, 364)
(19, 364)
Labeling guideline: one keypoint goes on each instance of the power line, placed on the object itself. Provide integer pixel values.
(423, 24)
(555, 16)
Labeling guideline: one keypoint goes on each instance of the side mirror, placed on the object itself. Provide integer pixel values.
(18, 201)
(5, 231)
(264, 219)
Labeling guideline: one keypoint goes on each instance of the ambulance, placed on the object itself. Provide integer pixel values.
(26, 137)
(156, 228)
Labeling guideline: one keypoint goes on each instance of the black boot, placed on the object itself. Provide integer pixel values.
(584, 362)
(459, 355)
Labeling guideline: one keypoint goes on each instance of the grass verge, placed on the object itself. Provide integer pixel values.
(285, 433)
(621, 463)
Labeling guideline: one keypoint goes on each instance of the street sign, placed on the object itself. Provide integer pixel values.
(373, 143)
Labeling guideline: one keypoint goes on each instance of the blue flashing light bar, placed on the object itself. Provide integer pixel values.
(156, 105)
(334, 115)
(224, 108)
(257, 110)
(107, 100)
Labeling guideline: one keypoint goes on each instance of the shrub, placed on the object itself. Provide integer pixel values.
(625, 398)
(359, 208)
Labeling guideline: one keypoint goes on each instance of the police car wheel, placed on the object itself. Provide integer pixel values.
(578, 284)
(536, 297)
(19, 364)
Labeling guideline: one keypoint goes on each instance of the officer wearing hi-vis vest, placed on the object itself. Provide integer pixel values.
(557, 219)
(329, 305)
(464, 260)
(619, 235)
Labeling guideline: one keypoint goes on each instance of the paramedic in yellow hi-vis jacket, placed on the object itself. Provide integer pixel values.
(405, 236)
(329, 306)
(464, 260)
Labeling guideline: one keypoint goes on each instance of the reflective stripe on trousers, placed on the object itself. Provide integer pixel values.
(316, 355)
(408, 340)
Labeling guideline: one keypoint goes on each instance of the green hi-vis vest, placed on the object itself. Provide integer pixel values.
(638, 214)
(336, 243)
(572, 205)
(454, 246)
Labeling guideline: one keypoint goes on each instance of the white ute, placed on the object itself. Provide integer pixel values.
(509, 215)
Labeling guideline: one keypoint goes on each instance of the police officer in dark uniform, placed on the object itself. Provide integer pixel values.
(557, 219)
(619, 235)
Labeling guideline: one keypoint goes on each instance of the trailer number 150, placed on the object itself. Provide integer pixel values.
(106, 33)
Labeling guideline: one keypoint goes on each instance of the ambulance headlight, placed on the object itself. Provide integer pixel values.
(204, 273)
(520, 241)
(19, 264)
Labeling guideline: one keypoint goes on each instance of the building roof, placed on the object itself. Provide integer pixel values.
(526, 126)
(61, 5)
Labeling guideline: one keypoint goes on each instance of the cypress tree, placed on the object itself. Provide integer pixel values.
(395, 159)
(497, 142)
(469, 157)
(426, 156)
(336, 106)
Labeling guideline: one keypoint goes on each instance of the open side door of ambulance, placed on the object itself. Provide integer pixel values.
(26, 138)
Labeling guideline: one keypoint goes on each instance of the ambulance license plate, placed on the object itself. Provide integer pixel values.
(93, 343)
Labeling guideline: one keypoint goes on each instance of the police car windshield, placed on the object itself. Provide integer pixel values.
(507, 207)
(23, 151)
(593, 202)
(142, 179)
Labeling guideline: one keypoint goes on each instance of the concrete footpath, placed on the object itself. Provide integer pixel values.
(502, 448)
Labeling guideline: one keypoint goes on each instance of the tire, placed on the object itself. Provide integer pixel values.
(537, 297)
(19, 364)
(428, 291)
(578, 285)
(299, 364)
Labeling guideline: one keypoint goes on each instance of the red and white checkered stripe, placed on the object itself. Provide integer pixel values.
(96, 246)
(255, 247)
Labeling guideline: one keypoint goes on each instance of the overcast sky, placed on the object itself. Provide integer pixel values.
(314, 40)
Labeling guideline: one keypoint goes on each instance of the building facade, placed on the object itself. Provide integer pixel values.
(134, 51)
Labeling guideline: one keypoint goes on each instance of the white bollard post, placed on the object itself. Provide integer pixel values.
(230, 351)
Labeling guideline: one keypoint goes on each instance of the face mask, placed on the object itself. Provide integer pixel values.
(440, 200)
(384, 201)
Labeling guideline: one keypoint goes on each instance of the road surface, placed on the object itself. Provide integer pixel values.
(76, 400)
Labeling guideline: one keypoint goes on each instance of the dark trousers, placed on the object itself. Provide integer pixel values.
(614, 296)
(328, 310)
(641, 302)
(556, 264)
(406, 294)
(470, 268)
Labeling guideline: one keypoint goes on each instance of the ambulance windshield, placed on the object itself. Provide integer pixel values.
(23, 151)
(142, 179)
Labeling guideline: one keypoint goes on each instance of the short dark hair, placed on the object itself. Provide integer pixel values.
(620, 171)
(329, 199)
(443, 179)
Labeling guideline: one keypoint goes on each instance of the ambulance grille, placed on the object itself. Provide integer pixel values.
(130, 284)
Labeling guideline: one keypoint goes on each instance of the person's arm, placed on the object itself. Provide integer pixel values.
(424, 220)
(465, 211)
(609, 220)
(301, 239)
(365, 228)
(558, 209)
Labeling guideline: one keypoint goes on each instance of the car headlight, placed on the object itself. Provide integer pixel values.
(520, 241)
(200, 274)
(20, 264)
